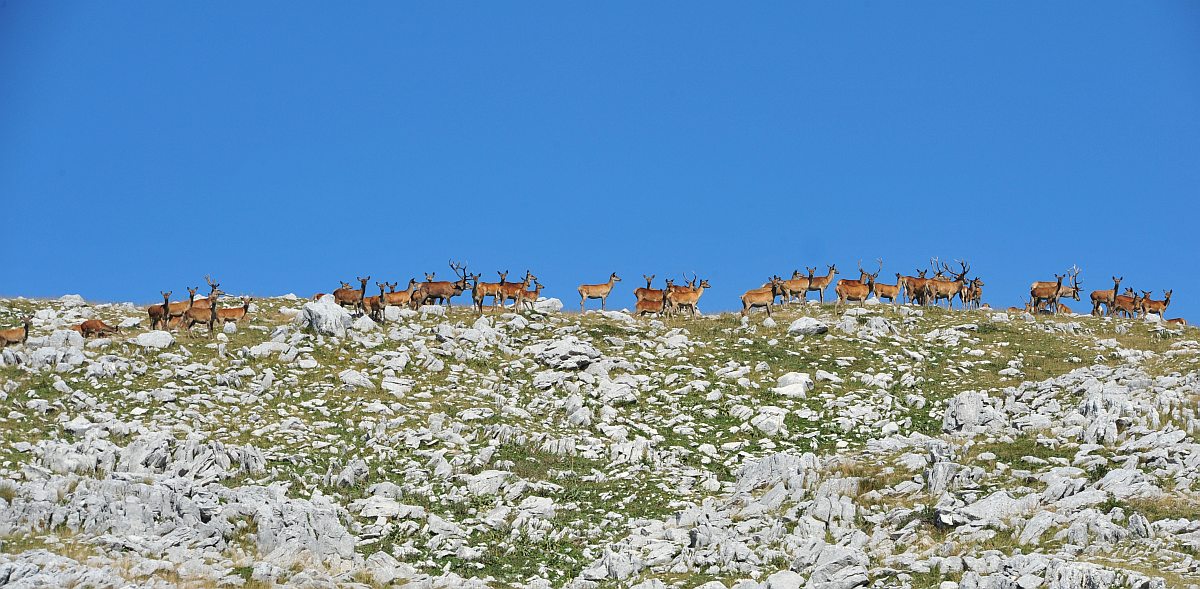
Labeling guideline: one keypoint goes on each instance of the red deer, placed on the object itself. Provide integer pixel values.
(597, 291)
(176, 310)
(1180, 321)
(651, 306)
(213, 287)
(1106, 297)
(402, 298)
(916, 288)
(1126, 303)
(949, 288)
(856, 290)
(1150, 305)
(1069, 291)
(510, 290)
(891, 292)
(1049, 292)
(797, 285)
(677, 301)
(202, 315)
(318, 296)
(349, 297)
(526, 298)
(16, 335)
(973, 294)
(488, 289)
(641, 293)
(762, 297)
(158, 313)
(820, 283)
(235, 314)
(430, 292)
(94, 327)
(373, 306)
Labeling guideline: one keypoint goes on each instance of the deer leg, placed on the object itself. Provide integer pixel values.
(603, 302)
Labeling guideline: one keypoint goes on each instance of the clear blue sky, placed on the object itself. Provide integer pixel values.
(283, 146)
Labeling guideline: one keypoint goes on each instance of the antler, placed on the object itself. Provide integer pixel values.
(880, 260)
(459, 269)
(209, 280)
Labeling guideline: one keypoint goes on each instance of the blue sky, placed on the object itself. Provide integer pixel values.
(283, 146)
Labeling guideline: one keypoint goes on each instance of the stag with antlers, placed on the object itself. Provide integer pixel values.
(597, 291)
(949, 288)
(431, 291)
(687, 299)
(857, 290)
(213, 286)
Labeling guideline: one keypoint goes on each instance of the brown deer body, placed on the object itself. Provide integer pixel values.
(763, 297)
(797, 285)
(488, 289)
(891, 292)
(1070, 287)
(1126, 303)
(1106, 298)
(856, 290)
(1048, 292)
(202, 315)
(820, 283)
(95, 327)
(158, 313)
(649, 293)
(235, 314)
(373, 305)
(213, 287)
(949, 288)
(973, 294)
(677, 301)
(510, 290)
(16, 335)
(597, 291)
(428, 292)
(402, 298)
(1150, 305)
(177, 309)
(651, 306)
(526, 298)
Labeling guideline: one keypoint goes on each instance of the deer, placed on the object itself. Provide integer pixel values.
(597, 291)
(176, 310)
(1106, 298)
(820, 283)
(347, 296)
(510, 290)
(973, 294)
(1180, 321)
(1127, 303)
(158, 313)
(213, 287)
(762, 297)
(488, 289)
(891, 292)
(946, 288)
(430, 291)
(654, 294)
(94, 327)
(235, 314)
(402, 298)
(1150, 305)
(1071, 291)
(373, 306)
(856, 290)
(679, 300)
(798, 285)
(526, 298)
(915, 287)
(16, 335)
(1043, 291)
(651, 306)
(202, 315)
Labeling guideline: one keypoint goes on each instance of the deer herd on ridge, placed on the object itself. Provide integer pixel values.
(945, 284)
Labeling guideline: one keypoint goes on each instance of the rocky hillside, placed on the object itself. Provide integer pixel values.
(887, 447)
